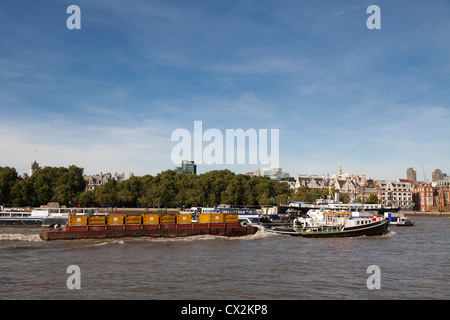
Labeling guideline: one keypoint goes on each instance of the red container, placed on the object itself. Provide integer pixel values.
(133, 227)
(168, 226)
(201, 225)
(185, 226)
(233, 225)
(96, 228)
(121, 227)
(150, 226)
(217, 225)
(76, 228)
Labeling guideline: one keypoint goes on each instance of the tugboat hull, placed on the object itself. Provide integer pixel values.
(373, 229)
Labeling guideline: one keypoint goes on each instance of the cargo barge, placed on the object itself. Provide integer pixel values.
(147, 225)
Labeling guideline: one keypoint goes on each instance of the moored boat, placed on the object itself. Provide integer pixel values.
(319, 224)
(18, 217)
(405, 222)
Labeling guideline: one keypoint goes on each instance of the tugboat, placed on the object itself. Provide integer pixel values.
(320, 224)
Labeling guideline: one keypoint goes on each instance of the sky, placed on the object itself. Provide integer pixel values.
(107, 97)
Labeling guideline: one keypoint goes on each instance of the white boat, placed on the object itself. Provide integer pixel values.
(42, 216)
(18, 217)
(405, 222)
(398, 219)
(325, 224)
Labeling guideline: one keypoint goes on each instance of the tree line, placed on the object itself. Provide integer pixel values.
(165, 190)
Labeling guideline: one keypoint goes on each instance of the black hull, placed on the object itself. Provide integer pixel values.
(374, 229)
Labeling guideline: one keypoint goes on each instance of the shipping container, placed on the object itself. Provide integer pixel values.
(167, 219)
(96, 228)
(200, 225)
(115, 219)
(184, 218)
(150, 226)
(96, 220)
(185, 226)
(210, 218)
(168, 226)
(129, 219)
(150, 218)
(217, 225)
(77, 220)
(133, 226)
(232, 224)
(76, 228)
(115, 227)
(230, 218)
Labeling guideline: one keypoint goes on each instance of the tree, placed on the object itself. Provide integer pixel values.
(69, 183)
(43, 184)
(106, 195)
(372, 199)
(8, 177)
(124, 197)
(86, 198)
(22, 193)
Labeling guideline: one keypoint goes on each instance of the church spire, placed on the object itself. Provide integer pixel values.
(340, 168)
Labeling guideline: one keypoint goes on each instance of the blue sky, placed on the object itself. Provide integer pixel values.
(107, 97)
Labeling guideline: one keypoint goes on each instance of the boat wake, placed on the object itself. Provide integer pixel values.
(106, 243)
(260, 234)
(388, 234)
(19, 237)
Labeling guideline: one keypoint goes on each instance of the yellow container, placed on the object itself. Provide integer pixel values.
(204, 218)
(115, 219)
(150, 219)
(77, 220)
(210, 218)
(167, 219)
(184, 218)
(133, 219)
(230, 218)
(96, 220)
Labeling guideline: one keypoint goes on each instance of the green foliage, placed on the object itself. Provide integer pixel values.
(8, 177)
(306, 194)
(372, 199)
(166, 189)
(45, 185)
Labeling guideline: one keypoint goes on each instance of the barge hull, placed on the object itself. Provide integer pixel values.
(154, 233)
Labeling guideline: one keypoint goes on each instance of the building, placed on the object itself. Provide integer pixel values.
(411, 174)
(271, 173)
(431, 198)
(396, 193)
(34, 167)
(438, 175)
(96, 180)
(356, 178)
(187, 167)
(370, 187)
(423, 197)
(445, 182)
(312, 181)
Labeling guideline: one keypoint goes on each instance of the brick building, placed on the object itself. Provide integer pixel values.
(429, 198)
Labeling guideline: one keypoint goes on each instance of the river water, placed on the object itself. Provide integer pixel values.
(413, 263)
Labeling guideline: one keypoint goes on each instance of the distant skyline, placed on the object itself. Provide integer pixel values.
(108, 96)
